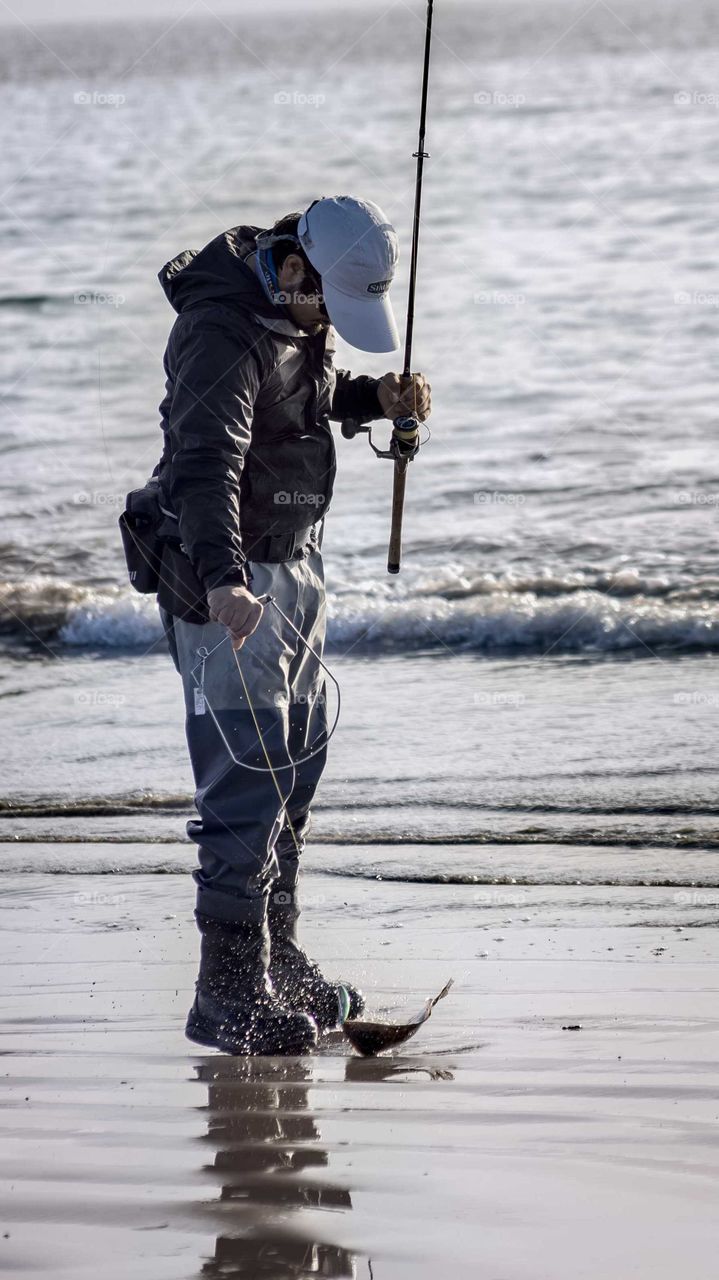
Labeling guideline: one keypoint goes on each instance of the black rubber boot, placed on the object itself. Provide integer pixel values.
(297, 980)
(235, 1008)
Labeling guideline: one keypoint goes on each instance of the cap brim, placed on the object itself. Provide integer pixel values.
(367, 323)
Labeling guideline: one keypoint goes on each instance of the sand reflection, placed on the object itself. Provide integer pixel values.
(268, 1157)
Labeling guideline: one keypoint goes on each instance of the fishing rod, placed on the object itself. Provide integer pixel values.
(404, 443)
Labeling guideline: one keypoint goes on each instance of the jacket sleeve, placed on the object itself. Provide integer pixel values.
(216, 380)
(355, 398)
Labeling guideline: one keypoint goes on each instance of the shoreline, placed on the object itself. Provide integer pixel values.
(497, 1144)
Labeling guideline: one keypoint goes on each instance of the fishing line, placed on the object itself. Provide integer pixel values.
(404, 442)
(282, 799)
(203, 654)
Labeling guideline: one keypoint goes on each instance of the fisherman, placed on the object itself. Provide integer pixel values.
(245, 483)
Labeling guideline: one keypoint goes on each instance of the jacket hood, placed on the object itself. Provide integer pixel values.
(218, 273)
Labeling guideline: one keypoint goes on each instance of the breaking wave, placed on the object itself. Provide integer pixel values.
(576, 613)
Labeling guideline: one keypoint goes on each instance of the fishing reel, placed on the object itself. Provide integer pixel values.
(404, 441)
(403, 445)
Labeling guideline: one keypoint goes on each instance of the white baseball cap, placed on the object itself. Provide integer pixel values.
(354, 249)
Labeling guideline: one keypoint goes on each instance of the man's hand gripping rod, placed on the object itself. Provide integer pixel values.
(404, 442)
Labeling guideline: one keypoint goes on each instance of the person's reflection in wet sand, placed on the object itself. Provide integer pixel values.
(266, 1151)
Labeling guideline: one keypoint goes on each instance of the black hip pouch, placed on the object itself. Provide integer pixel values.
(179, 590)
(156, 562)
(139, 526)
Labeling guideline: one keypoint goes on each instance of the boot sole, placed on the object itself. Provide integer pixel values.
(200, 1032)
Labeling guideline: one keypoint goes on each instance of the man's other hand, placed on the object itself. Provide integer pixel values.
(237, 609)
(400, 396)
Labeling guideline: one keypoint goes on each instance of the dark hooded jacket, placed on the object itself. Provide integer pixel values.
(248, 446)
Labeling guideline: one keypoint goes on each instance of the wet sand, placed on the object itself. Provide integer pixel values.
(498, 1145)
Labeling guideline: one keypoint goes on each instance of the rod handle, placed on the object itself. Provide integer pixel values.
(394, 554)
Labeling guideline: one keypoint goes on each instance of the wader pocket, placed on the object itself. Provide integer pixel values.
(180, 591)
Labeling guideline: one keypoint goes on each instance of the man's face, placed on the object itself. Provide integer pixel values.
(304, 297)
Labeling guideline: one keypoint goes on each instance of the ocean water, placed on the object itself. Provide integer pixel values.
(540, 680)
